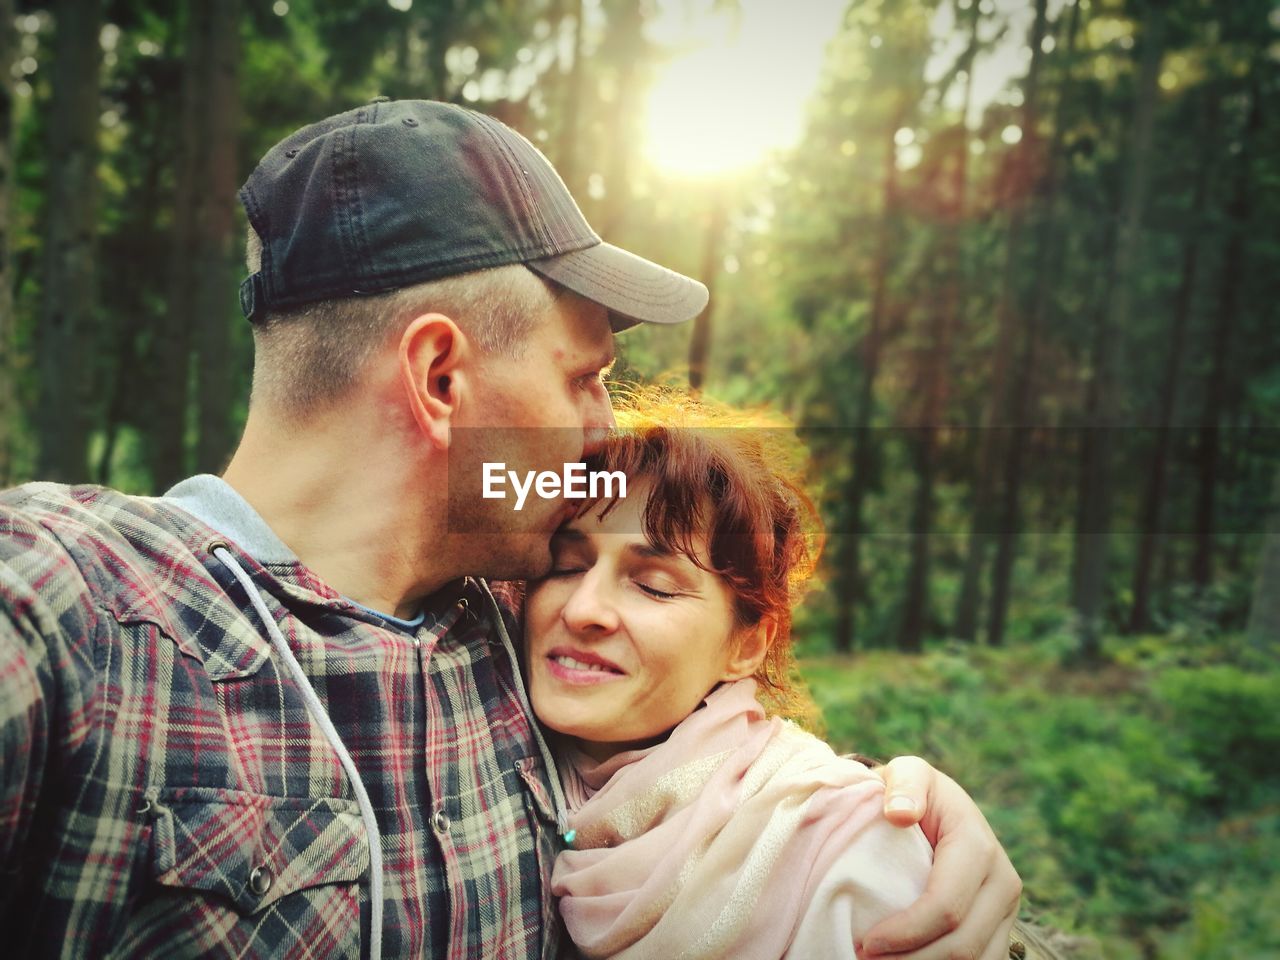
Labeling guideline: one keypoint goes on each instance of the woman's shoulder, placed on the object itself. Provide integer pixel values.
(865, 869)
(792, 737)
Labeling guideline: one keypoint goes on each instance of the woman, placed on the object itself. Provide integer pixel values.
(700, 822)
(701, 825)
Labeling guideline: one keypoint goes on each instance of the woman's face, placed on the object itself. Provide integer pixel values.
(623, 639)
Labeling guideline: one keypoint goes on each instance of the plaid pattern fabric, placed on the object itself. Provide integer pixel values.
(163, 791)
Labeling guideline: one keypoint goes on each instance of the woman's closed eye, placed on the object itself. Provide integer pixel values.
(657, 584)
(655, 592)
(568, 559)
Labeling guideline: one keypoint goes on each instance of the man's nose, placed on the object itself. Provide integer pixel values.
(589, 609)
(598, 426)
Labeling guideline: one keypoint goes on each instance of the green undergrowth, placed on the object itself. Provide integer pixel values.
(1139, 799)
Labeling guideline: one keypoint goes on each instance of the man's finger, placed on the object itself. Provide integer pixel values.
(930, 919)
(982, 932)
(972, 886)
(906, 793)
(972, 894)
(998, 949)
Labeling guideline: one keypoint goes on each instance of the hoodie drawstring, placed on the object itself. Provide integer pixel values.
(553, 776)
(318, 714)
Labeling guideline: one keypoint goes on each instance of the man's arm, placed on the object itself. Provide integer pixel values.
(23, 739)
(43, 604)
(971, 900)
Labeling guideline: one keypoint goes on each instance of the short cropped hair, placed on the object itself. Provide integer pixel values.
(314, 354)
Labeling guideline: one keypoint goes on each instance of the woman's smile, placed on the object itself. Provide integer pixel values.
(575, 666)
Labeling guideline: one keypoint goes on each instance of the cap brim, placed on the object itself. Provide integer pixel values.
(633, 289)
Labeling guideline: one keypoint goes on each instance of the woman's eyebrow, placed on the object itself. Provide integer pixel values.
(648, 551)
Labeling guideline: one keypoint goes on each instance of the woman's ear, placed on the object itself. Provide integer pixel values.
(431, 351)
(752, 644)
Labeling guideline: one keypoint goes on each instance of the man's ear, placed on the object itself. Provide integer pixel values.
(431, 352)
(752, 644)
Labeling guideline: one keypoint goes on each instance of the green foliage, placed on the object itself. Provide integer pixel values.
(1233, 729)
(1140, 803)
(1233, 899)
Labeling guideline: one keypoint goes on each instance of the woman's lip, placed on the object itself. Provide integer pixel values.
(579, 676)
(585, 678)
(584, 656)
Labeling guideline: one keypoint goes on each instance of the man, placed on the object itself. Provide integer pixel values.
(270, 713)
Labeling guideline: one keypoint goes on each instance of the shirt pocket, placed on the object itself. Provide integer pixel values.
(237, 861)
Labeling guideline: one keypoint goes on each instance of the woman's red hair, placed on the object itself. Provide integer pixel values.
(735, 477)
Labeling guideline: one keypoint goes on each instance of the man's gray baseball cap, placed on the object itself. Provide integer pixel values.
(399, 192)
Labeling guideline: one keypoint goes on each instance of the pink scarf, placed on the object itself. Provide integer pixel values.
(711, 843)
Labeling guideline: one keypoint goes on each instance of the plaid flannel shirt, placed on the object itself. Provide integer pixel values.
(163, 791)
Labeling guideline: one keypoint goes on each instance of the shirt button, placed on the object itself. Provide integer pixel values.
(260, 880)
(441, 822)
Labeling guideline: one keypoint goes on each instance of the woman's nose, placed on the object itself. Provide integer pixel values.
(590, 609)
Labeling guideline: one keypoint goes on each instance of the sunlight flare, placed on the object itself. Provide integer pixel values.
(738, 91)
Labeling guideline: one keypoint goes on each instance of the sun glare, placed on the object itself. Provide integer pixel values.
(737, 83)
(737, 88)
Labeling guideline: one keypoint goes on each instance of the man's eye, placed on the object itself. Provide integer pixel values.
(589, 380)
(565, 572)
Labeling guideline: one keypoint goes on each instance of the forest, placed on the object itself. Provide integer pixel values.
(1010, 266)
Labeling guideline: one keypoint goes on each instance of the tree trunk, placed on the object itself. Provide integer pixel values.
(934, 385)
(965, 622)
(1224, 323)
(1015, 414)
(1157, 478)
(125, 356)
(1088, 437)
(127, 395)
(700, 340)
(1242, 424)
(438, 27)
(69, 299)
(625, 48)
(1093, 540)
(851, 587)
(567, 141)
(215, 219)
(993, 426)
(171, 348)
(915, 611)
(1264, 613)
(8, 322)
(69, 293)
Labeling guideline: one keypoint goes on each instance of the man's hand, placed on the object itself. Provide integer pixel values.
(971, 899)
